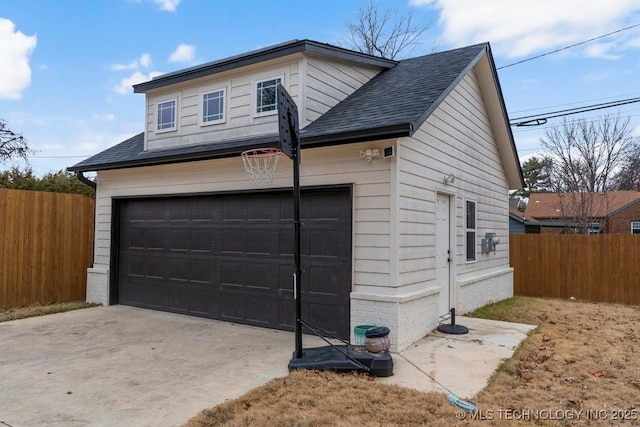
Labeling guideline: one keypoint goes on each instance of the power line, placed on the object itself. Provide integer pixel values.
(541, 119)
(550, 126)
(569, 47)
(626, 95)
(541, 128)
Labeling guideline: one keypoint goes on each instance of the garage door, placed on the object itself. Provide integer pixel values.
(230, 257)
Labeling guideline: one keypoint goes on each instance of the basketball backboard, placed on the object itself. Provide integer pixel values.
(288, 123)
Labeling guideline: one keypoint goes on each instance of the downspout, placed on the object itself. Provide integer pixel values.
(83, 179)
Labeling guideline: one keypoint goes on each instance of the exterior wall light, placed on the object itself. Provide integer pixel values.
(369, 153)
(449, 179)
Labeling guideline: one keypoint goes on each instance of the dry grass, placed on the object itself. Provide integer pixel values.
(41, 310)
(327, 399)
(582, 356)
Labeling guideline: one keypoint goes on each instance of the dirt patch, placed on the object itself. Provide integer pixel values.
(41, 310)
(579, 367)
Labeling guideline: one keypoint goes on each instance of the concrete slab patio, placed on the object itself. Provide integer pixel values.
(123, 366)
(458, 364)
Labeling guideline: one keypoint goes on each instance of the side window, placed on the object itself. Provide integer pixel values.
(470, 230)
(166, 114)
(635, 227)
(213, 107)
(267, 96)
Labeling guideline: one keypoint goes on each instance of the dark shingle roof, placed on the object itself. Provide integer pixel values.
(131, 153)
(402, 97)
(392, 104)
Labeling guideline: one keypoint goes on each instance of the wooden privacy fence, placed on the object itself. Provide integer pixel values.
(599, 268)
(46, 242)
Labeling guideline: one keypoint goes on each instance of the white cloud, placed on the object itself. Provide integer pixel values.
(634, 42)
(144, 61)
(15, 49)
(183, 53)
(126, 84)
(166, 5)
(601, 50)
(121, 67)
(521, 28)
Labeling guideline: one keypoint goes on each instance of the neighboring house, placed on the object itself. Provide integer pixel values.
(613, 212)
(516, 223)
(386, 240)
(519, 224)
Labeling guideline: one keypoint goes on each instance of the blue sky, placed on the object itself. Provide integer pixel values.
(66, 66)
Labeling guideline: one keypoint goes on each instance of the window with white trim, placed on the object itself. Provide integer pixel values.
(166, 115)
(213, 107)
(267, 96)
(635, 227)
(470, 230)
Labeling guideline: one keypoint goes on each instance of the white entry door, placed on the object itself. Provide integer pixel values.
(443, 254)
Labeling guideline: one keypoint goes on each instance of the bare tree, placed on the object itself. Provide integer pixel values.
(12, 145)
(384, 34)
(628, 176)
(585, 156)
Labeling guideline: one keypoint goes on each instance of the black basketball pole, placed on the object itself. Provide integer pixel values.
(297, 277)
(290, 145)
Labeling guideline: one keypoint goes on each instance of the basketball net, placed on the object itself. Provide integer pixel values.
(261, 164)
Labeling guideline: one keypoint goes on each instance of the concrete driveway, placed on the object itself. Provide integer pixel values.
(123, 366)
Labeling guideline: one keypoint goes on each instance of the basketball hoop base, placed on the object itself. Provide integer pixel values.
(344, 358)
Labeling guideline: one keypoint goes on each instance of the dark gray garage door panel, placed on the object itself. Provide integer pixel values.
(231, 257)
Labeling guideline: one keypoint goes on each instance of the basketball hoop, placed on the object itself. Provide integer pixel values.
(261, 164)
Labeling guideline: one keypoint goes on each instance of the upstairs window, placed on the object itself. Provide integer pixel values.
(635, 227)
(166, 112)
(267, 95)
(470, 230)
(213, 107)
